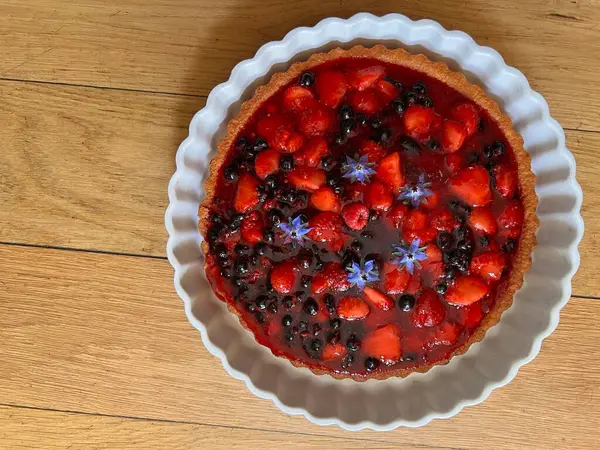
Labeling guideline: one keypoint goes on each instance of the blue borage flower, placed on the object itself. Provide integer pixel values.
(417, 193)
(361, 274)
(294, 230)
(409, 256)
(359, 170)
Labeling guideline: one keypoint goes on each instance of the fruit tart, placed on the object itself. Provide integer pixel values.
(370, 213)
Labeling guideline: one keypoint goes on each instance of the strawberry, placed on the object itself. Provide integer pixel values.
(511, 218)
(364, 78)
(483, 221)
(365, 102)
(266, 163)
(453, 135)
(352, 308)
(283, 276)
(455, 162)
(378, 197)
(420, 122)
(326, 227)
(471, 315)
(356, 216)
(429, 310)
(425, 235)
(505, 181)
(314, 150)
(246, 195)
(397, 214)
(432, 201)
(324, 199)
(386, 91)
(316, 121)
(373, 151)
(395, 279)
(384, 343)
(389, 171)
(466, 289)
(319, 284)
(415, 282)
(446, 334)
(307, 178)
(472, 185)
(333, 351)
(416, 219)
(337, 279)
(297, 98)
(467, 114)
(442, 219)
(434, 254)
(253, 227)
(378, 298)
(279, 133)
(488, 266)
(331, 86)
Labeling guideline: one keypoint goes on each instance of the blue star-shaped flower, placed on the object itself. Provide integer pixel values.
(294, 230)
(359, 170)
(415, 194)
(409, 256)
(362, 274)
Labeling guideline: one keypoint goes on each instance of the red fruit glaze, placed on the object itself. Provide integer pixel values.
(265, 278)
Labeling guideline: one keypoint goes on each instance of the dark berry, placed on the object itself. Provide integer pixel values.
(445, 240)
(242, 143)
(498, 148)
(326, 162)
(253, 260)
(410, 98)
(271, 182)
(371, 364)
(303, 325)
(335, 324)
(419, 88)
(260, 144)
(269, 236)
(262, 194)
(441, 288)
(221, 251)
(300, 295)
(449, 273)
(260, 317)
(307, 79)
(305, 281)
(289, 196)
(399, 106)
(433, 145)
(461, 233)
(487, 151)
(509, 246)
(226, 272)
(472, 158)
(288, 301)
(260, 249)
(366, 235)
(356, 247)
(352, 343)
(286, 321)
(340, 138)
(466, 246)
(310, 307)
(329, 303)
(316, 345)
(303, 218)
(373, 216)
(409, 144)
(230, 173)
(348, 361)
(261, 302)
(237, 282)
(305, 261)
(332, 179)
(236, 221)
(241, 250)
(376, 122)
(272, 307)
(361, 119)
(345, 112)
(319, 264)
(347, 126)
(383, 135)
(426, 102)
(286, 163)
(316, 329)
(289, 337)
(484, 241)
(406, 302)
(241, 266)
(275, 217)
(333, 338)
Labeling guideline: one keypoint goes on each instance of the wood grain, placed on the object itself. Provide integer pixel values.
(106, 334)
(186, 46)
(107, 190)
(22, 428)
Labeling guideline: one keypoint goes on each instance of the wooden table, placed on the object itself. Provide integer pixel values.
(95, 350)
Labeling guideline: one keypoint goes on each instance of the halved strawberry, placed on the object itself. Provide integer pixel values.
(314, 150)
(432, 201)
(307, 178)
(356, 216)
(386, 90)
(378, 197)
(420, 122)
(483, 221)
(472, 185)
(397, 214)
(416, 219)
(364, 78)
(446, 334)
(283, 276)
(326, 227)
(424, 235)
(246, 195)
(511, 219)
(373, 151)
(453, 135)
(253, 227)
(365, 102)
(333, 351)
(384, 343)
(378, 298)
(395, 279)
(352, 308)
(505, 181)
(316, 121)
(414, 285)
(297, 98)
(331, 86)
(488, 266)
(429, 310)
(337, 278)
(471, 315)
(434, 254)
(389, 171)
(442, 219)
(466, 289)
(324, 199)
(279, 133)
(467, 114)
(266, 163)
(455, 162)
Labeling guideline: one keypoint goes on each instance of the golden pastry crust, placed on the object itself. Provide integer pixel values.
(457, 81)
